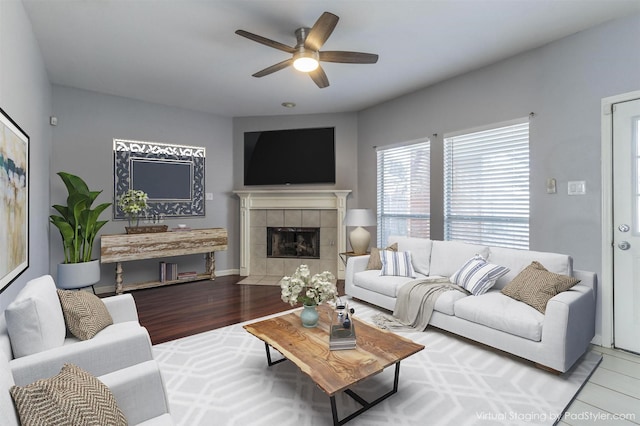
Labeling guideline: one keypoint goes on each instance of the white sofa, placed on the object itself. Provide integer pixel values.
(120, 345)
(555, 339)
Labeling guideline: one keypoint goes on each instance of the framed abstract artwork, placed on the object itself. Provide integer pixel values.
(14, 200)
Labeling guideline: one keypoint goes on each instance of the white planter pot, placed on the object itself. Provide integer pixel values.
(78, 275)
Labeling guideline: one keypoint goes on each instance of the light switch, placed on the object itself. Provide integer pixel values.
(209, 196)
(577, 187)
(551, 186)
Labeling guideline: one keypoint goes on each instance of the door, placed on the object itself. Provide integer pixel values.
(626, 223)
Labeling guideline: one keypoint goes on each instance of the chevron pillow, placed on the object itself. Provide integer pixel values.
(73, 397)
(84, 313)
(535, 286)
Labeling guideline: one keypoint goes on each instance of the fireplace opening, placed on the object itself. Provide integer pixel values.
(293, 242)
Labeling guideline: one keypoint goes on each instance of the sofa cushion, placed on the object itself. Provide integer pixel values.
(84, 313)
(397, 263)
(448, 256)
(446, 301)
(71, 397)
(534, 285)
(494, 309)
(420, 249)
(34, 319)
(516, 260)
(477, 275)
(375, 262)
(386, 285)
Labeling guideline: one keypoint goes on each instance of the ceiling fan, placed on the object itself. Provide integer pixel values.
(306, 54)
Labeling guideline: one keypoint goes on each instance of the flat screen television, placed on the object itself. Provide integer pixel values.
(163, 180)
(295, 156)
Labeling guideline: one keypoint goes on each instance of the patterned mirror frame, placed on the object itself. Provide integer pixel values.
(125, 151)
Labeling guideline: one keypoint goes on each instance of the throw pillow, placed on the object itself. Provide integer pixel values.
(397, 263)
(34, 319)
(477, 275)
(375, 262)
(73, 397)
(84, 313)
(535, 285)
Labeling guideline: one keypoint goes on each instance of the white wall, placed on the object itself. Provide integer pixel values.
(25, 94)
(562, 83)
(83, 145)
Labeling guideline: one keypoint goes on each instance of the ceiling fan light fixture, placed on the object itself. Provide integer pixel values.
(305, 61)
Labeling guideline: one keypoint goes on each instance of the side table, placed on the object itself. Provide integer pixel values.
(347, 254)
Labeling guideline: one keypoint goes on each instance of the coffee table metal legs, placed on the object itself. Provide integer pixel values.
(266, 346)
(365, 405)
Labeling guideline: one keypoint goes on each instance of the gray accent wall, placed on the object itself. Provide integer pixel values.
(562, 83)
(83, 145)
(25, 94)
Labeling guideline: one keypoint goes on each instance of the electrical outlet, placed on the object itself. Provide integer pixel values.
(576, 187)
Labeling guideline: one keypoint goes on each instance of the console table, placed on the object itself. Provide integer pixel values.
(120, 248)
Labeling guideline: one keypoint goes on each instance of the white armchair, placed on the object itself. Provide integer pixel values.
(139, 392)
(120, 345)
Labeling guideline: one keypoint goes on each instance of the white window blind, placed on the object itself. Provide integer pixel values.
(403, 191)
(486, 181)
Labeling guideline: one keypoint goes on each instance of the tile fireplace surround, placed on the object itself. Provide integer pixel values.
(291, 208)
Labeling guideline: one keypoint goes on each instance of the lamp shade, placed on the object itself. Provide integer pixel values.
(359, 217)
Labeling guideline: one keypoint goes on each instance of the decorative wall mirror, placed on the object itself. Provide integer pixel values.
(171, 175)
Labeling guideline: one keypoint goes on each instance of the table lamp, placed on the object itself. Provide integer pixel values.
(359, 237)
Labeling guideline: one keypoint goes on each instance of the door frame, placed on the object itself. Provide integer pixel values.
(606, 164)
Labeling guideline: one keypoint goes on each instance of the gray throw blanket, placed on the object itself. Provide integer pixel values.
(414, 304)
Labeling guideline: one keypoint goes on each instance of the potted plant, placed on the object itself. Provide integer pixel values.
(310, 290)
(78, 225)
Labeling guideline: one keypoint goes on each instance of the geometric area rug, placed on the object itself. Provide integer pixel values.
(221, 377)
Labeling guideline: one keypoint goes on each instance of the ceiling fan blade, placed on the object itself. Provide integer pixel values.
(266, 41)
(321, 31)
(348, 57)
(274, 68)
(319, 77)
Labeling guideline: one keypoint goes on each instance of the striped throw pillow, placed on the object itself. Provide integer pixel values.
(477, 275)
(397, 263)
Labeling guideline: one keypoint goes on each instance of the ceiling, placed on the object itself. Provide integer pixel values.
(185, 53)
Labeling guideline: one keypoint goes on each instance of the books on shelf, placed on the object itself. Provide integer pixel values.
(187, 275)
(342, 338)
(168, 271)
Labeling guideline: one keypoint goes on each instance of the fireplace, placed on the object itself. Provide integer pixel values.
(287, 242)
(259, 209)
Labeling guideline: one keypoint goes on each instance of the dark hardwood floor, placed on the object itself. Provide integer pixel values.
(181, 310)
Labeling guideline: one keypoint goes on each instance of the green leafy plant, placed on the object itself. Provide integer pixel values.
(78, 223)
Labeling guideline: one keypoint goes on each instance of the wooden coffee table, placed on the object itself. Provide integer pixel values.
(334, 371)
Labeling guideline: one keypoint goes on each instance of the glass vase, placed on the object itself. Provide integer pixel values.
(309, 316)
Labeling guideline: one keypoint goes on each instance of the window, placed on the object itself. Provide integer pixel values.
(403, 191)
(486, 186)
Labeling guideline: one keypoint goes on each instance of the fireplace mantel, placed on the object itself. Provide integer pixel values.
(319, 199)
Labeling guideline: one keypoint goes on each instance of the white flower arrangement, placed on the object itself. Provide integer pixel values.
(310, 290)
(133, 203)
